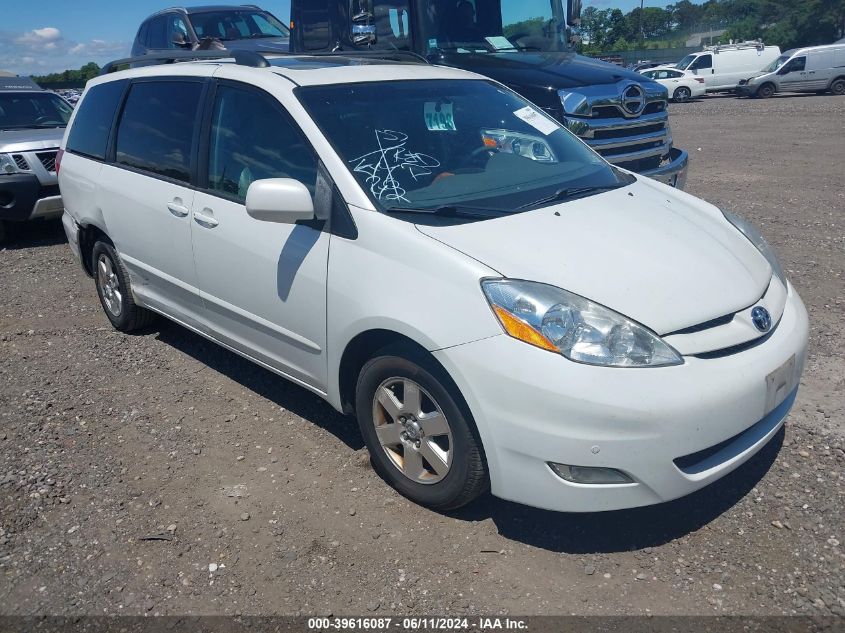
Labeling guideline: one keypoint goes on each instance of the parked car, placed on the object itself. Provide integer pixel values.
(812, 69)
(32, 123)
(619, 113)
(244, 27)
(641, 66)
(723, 66)
(424, 248)
(682, 85)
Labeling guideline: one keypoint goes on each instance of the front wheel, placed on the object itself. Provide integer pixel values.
(765, 91)
(682, 94)
(420, 441)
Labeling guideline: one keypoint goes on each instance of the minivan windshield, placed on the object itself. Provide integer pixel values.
(780, 61)
(459, 144)
(22, 110)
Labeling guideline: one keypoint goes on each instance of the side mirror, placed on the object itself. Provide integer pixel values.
(573, 12)
(282, 200)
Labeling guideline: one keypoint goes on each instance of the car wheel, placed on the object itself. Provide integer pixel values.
(115, 292)
(682, 94)
(838, 86)
(420, 440)
(765, 91)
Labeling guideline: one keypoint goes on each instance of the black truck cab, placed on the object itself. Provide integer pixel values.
(523, 44)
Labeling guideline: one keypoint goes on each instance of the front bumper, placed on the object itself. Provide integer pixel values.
(22, 197)
(746, 90)
(533, 407)
(674, 171)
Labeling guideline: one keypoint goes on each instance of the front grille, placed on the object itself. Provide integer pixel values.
(641, 165)
(621, 132)
(629, 149)
(48, 159)
(20, 161)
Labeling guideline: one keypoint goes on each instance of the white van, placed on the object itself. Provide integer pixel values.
(813, 69)
(723, 66)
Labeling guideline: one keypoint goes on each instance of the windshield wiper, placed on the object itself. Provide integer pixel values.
(571, 193)
(451, 210)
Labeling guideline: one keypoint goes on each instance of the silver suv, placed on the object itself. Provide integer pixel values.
(32, 124)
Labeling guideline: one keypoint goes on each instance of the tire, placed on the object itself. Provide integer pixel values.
(435, 461)
(2, 231)
(837, 87)
(115, 292)
(682, 94)
(765, 91)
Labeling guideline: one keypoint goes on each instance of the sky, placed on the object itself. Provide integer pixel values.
(44, 36)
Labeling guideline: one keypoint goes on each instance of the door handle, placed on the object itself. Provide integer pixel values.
(177, 208)
(206, 218)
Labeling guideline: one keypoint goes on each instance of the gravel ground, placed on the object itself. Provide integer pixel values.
(160, 474)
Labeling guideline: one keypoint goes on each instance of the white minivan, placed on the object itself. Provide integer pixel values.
(723, 66)
(497, 305)
(813, 69)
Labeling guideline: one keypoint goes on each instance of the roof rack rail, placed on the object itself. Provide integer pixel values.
(242, 58)
(397, 56)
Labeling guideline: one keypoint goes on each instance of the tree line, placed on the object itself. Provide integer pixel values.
(69, 78)
(786, 23)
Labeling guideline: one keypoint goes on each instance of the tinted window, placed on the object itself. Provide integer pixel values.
(237, 24)
(253, 138)
(705, 61)
(157, 127)
(157, 33)
(795, 65)
(89, 134)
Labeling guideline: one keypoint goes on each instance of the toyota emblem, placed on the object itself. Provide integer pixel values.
(761, 318)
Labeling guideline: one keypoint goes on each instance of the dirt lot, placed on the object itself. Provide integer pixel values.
(107, 438)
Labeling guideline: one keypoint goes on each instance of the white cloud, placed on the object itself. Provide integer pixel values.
(46, 50)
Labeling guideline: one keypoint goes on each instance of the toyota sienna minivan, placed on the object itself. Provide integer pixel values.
(426, 250)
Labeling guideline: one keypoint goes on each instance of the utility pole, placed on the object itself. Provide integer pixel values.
(642, 33)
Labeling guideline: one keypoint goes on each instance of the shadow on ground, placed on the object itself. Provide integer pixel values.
(263, 382)
(20, 235)
(600, 532)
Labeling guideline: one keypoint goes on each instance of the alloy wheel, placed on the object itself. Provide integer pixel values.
(413, 430)
(109, 285)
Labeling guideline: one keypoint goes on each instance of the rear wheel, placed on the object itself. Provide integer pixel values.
(765, 91)
(682, 94)
(419, 439)
(838, 86)
(115, 292)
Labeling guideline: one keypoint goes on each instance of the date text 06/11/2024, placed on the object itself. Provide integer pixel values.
(378, 624)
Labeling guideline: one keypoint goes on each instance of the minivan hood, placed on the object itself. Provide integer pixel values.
(666, 260)
(31, 140)
(553, 70)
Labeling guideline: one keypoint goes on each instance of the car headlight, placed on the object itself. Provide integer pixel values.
(583, 331)
(7, 165)
(755, 237)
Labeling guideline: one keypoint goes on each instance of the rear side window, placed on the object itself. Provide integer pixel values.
(89, 134)
(156, 129)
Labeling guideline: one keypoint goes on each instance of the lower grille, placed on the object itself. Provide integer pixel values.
(20, 161)
(48, 159)
(48, 191)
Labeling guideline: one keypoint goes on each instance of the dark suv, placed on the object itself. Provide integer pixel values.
(245, 27)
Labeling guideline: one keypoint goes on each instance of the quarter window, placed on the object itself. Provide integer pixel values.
(253, 138)
(157, 127)
(89, 134)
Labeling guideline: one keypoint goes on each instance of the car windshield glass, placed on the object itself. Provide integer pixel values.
(239, 24)
(483, 26)
(686, 61)
(20, 110)
(780, 61)
(432, 144)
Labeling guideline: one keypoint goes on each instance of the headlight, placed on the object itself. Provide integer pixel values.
(7, 165)
(583, 331)
(526, 145)
(755, 237)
